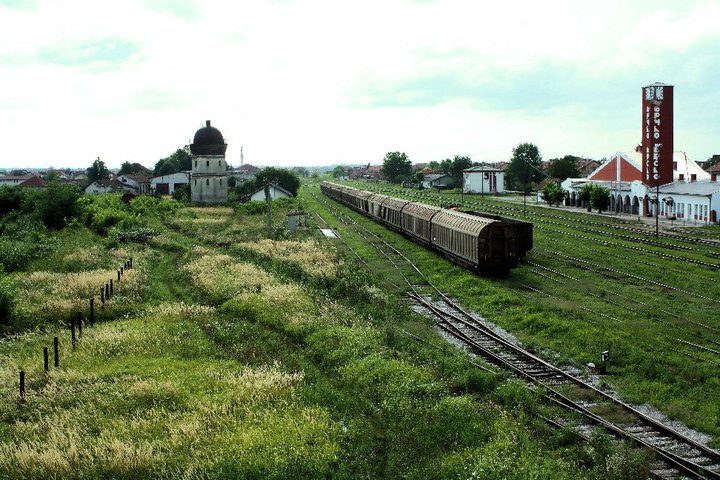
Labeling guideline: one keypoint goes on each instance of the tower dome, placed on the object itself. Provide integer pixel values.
(208, 141)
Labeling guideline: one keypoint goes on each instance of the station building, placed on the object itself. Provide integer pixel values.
(693, 195)
(655, 178)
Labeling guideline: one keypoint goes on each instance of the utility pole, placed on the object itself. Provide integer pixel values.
(268, 200)
(657, 210)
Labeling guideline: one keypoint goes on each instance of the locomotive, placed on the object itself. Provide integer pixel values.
(488, 244)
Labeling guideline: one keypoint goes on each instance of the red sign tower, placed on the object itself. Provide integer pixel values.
(657, 140)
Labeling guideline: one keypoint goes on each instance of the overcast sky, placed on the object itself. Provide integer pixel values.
(315, 82)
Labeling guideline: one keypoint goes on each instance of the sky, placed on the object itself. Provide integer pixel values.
(321, 82)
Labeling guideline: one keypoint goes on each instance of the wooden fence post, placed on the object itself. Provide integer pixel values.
(22, 385)
(111, 287)
(118, 279)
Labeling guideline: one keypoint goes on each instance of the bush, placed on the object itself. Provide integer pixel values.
(56, 205)
(10, 199)
(7, 296)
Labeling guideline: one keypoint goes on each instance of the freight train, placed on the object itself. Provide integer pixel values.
(488, 244)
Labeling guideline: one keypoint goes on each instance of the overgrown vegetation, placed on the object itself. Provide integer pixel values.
(235, 355)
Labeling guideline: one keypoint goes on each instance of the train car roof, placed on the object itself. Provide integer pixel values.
(463, 222)
(395, 203)
(421, 210)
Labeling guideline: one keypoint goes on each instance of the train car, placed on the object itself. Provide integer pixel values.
(484, 244)
(524, 230)
(416, 220)
(391, 211)
(375, 202)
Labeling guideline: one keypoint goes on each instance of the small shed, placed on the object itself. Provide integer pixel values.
(296, 220)
(275, 191)
(438, 180)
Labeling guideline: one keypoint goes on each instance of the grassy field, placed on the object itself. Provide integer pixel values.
(656, 313)
(232, 350)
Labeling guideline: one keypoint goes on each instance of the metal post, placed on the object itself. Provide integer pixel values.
(111, 287)
(657, 210)
(46, 360)
(56, 347)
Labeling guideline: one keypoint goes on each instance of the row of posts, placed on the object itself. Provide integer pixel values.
(106, 292)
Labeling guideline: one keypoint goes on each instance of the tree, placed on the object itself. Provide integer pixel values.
(338, 172)
(553, 193)
(565, 167)
(417, 177)
(98, 171)
(396, 167)
(434, 166)
(524, 167)
(585, 193)
(126, 168)
(459, 164)
(179, 161)
(446, 166)
(284, 177)
(600, 198)
(714, 160)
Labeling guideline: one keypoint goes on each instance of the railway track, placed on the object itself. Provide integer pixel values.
(678, 455)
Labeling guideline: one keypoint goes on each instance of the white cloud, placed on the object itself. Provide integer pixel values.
(317, 81)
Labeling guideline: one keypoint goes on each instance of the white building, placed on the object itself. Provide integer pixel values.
(483, 180)
(209, 170)
(166, 184)
(135, 183)
(275, 192)
(104, 186)
(693, 196)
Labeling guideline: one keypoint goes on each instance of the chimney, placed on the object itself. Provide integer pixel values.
(713, 177)
(207, 123)
(681, 177)
(693, 177)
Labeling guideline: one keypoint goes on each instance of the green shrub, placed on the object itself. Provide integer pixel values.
(7, 298)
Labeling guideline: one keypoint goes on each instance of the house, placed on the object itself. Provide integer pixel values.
(276, 191)
(587, 166)
(484, 179)
(137, 184)
(166, 184)
(105, 186)
(438, 180)
(34, 182)
(14, 180)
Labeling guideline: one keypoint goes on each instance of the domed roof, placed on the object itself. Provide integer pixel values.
(208, 141)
